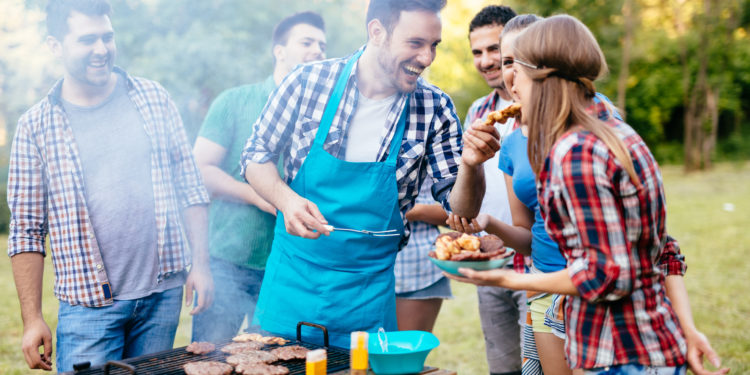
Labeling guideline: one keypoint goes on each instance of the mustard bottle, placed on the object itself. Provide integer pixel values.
(316, 362)
(359, 353)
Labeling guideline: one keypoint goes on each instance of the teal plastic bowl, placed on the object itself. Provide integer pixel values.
(452, 266)
(406, 352)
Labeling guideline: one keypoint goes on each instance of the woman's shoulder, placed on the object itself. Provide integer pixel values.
(573, 141)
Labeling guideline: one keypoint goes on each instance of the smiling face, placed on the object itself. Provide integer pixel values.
(485, 47)
(87, 51)
(409, 49)
(506, 52)
(305, 43)
(522, 87)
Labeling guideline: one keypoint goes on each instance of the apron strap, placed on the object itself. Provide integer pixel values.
(333, 101)
(332, 106)
(398, 135)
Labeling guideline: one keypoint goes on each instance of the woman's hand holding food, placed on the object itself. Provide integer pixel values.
(464, 225)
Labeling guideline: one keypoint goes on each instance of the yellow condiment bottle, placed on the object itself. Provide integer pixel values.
(317, 361)
(358, 353)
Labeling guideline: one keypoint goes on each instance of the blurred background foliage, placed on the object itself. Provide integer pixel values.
(677, 67)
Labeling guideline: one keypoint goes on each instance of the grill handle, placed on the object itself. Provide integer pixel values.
(322, 328)
(119, 364)
(81, 366)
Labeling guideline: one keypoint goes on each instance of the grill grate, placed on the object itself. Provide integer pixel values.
(171, 361)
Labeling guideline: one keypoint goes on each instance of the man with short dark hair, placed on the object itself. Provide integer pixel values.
(240, 221)
(102, 165)
(500, 309)
(358, 136)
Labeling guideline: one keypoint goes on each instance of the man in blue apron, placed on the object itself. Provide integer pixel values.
(358, 135)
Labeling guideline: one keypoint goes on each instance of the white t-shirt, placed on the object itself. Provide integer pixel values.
(367, 127)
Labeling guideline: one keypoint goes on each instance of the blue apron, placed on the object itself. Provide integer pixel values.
(343, 281)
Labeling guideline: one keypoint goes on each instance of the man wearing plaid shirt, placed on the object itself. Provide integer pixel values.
(383, 130)
(102, 166)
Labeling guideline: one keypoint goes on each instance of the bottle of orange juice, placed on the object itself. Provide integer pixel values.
(317, 361)
(358, 353)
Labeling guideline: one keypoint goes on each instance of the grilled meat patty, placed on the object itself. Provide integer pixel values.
(207, 368)
(260, 369)
(255, 356)
(200, 347)
(286, 353)
(268, 340)
(240, 347)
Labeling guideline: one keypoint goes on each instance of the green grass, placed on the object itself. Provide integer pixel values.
(716, 243)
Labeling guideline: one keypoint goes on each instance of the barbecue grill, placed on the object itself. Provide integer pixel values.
(171, 361)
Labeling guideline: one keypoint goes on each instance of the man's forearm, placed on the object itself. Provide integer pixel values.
(428, 213)
(219, 183)
(28, 271)
(196, 223)
(265, 179)
(468, 191)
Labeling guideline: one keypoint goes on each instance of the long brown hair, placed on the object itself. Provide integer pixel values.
(568, 61)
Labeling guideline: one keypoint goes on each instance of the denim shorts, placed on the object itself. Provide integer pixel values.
(637, 369)
(439, 289)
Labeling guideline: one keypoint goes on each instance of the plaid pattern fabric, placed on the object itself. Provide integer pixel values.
(483, 106)
(288, 124)
(46, 191)
(413, 270)
(479, 110)
(613, 236)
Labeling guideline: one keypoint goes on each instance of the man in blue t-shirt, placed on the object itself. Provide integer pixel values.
(241, 222)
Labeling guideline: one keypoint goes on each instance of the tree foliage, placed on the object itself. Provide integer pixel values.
(197, 49)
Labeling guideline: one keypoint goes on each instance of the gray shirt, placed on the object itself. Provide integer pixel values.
(115, 154)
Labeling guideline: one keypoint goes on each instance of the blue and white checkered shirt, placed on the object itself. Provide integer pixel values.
(413, 270)
(431, 144)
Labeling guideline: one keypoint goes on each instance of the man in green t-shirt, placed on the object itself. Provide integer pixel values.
(241, 223)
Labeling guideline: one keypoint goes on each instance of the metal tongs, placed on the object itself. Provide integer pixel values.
(374, 233)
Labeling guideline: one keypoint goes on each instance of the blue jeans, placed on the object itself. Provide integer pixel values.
(127, 328)
(636, 369)
(236, 291)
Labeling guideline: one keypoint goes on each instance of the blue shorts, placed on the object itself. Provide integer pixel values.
(637, 369)
(439, 289)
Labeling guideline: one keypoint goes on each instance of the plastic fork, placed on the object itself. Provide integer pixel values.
(374, 233)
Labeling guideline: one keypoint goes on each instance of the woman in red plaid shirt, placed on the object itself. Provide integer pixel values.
(601, 193)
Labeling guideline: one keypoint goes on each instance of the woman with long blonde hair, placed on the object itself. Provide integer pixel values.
(601, 195)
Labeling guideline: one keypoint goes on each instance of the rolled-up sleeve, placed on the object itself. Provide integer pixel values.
(190, 187)
(444, 153)
(583, 217)
(27, 193)
(272, 131)
(672, 261)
